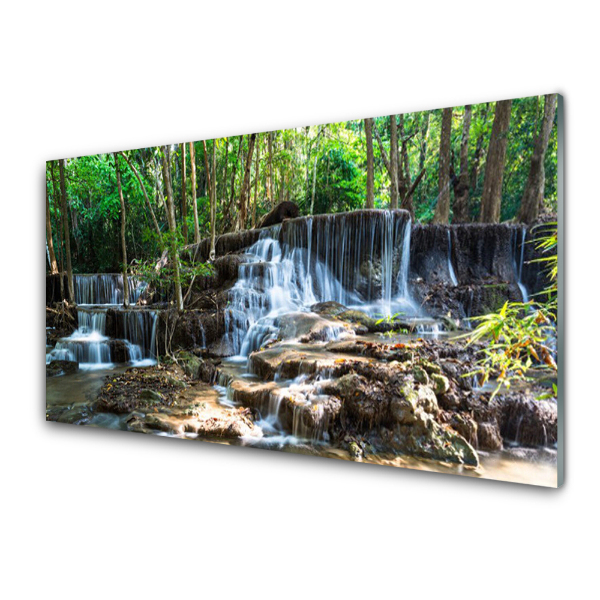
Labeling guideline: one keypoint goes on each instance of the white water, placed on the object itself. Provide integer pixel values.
(450, 267)
(89, 345)
(519, 265)
(358, 260)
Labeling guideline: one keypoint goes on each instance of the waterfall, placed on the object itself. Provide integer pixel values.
(359, 259)
(90, 345)
(106, 288)
(450, 267)
(519, 263)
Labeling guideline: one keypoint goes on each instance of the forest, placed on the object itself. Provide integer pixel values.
(380, 290)
(491, 162)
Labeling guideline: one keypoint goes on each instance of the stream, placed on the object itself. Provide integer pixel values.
(358, 262)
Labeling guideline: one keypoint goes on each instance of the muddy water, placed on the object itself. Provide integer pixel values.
(73, 395)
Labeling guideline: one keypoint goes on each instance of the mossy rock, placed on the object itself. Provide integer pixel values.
(441, 384)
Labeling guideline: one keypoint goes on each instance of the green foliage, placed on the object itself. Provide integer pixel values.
(519, 335)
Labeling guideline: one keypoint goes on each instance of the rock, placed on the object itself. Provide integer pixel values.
(488, 437)
(420, 375)
(284, 210)
(308, 327)
(440, 383)
(61, 367)
(149, 396)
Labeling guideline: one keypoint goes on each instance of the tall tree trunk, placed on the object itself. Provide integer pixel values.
(270, 194)
(243, 215)
(370, 202)
(49, 241)
(59, 229)
(442, 209)
(123, 224)
(533, 197)
(213, 208)
(211, 196)
(183, 195)
(423, 146)
(256, 174)
(146, 199)
(478, 153)
(172, 226)
(194, 200)
(230, 211)
(491, 199)
(461, 213)
(66, 233)
(393, 170)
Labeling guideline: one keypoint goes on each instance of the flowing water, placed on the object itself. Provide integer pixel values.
(89, 345)
(360, 260)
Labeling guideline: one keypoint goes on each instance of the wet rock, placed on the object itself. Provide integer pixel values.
(308, 327)
(61, 367)
(526, 421)
(420, 375)
(440, 383)
(488, 436)
(284, 210)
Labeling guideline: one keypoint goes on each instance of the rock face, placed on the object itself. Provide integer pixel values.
(284, 210)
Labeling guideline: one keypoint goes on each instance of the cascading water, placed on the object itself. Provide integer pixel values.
(105, 288)
(90, 345)
(358, 259)
(450, 267)
(520, 250)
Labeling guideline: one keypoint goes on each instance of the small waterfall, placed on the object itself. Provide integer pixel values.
(90, 345)
(519, 249)
(450, 267)
(358, 259)
(105, 288)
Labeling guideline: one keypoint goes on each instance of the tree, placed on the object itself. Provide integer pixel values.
(210, 184)
(244, 194)
(391, 161)
(194, 201)
(533, 196)
(183, 198)
(270, 195)
(146, 199)
(461, 212)
(491, 199)
(66, 232)
(173, 252)
(370, 201)
(123, 224)
(49, 241)
(442, 209)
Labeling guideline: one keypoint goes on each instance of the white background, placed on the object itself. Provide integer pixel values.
(101, 514)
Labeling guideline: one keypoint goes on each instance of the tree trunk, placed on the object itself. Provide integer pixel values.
(478, 153)
(213, 206)
(270, 194)
(461, 213)
(246, 184)
(256, 174)
(194, 200)
(123, 224)
(49, 241)
(230, 210)
(533, 197)
(211, 196)
(370, 202)
(146, 199)
(172, 226)
(183, 198)
(393, 170)
(442, 209)
(491, 199)
(59, 229)
(423, 148)
(66, 233)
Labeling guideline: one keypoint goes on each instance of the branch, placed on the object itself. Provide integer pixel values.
(414, 185)
(145, 194)
(384, 156)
